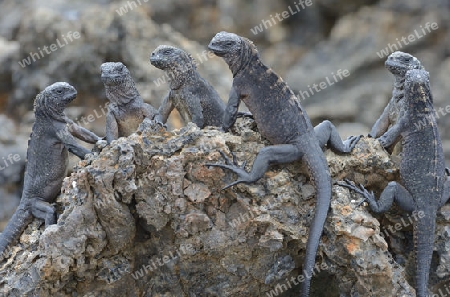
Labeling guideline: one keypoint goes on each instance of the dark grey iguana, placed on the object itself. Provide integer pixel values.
(126, 109)
(423, 185)
(194, 98)
(398, 63)
(282, 120)
(47, 160)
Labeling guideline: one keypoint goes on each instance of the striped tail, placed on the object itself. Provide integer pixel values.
(320, 175)
(19, 221)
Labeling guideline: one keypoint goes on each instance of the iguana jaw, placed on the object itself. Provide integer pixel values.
(217, 50)
(396, 67)
(112, 79)
(113, 73)
(157, 62)
(224, 43)
(398, 63)
(69, 97)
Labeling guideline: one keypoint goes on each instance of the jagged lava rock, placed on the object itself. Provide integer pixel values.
(145, 217)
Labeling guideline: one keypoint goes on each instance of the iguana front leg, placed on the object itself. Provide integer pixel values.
(270, 155)
(231, 111)
(165, 109)
(82, 133)
(196, 111)
(327, 134)
(71, 144)
(382, 124)
(112, 129)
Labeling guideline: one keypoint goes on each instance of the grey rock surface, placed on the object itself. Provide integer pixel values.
(145, 217)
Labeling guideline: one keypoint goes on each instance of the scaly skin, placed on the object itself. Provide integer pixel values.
(423, 183)
(283, 121)
(47, 159)
(398, 63)
(126, 109)
(194, 98)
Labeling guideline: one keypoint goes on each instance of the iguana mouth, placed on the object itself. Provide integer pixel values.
(156, 62)
(217, 51)
(70, 96)
(395, 66)
(111, 79)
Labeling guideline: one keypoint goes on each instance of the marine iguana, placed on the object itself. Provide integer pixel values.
(194, 98)
(47, 159)
(424, 186)
(398, 63)
(282, 120)
(126, 109)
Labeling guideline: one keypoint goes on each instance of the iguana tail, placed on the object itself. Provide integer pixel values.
(320, 176)
(423, 240)
(19, 221)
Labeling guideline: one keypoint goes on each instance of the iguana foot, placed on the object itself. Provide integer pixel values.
(99, 145)
(245, 114)
(161, 124)
(367, 196)
(243, 176)
(351, 142)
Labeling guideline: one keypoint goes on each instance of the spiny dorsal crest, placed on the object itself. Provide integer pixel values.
(39, 102)
(252, 46)
(190, 59)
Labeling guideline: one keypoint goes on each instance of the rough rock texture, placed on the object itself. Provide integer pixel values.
(145, 217)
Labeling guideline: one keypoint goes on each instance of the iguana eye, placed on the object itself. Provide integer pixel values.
(59, 91)
(168, 51)
(229, 43)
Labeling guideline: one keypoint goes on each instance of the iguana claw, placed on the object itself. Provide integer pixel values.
(233, 166)
(367, 196)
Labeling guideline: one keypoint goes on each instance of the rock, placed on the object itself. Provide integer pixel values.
(145, 216)
(8, 54)
(12, 164)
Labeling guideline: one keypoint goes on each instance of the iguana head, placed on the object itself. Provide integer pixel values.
(54, 98)
(234, 49)
(177, 63)
(114, 73)
(398, 63)
(169, 57)
(119, 85)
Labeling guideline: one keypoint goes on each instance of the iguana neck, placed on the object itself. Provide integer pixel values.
(123, 92)
(399, 85)
(43, 109)
(240, 62)
(178, 75)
